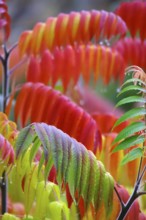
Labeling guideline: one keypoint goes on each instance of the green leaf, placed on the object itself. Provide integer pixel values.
(30, 185)
(74, 164)
(129, 142)
(132, 113)
(131, 88)
(41, 133)
(132, 155)
(129, 130)
(130, 100)
(41, 200)
(58, 211)
(134, 81)
(8, 216)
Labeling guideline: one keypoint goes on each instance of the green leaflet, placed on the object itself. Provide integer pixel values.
(42, 200)
(58, 211)
(79, 166)
(129, 142)
(72, 169)
(36, 146)
(84, 174)
(98, 186)
(132, 88)
(132, 113)
(30, 188)
(134, 81)
(75, 165)
(92, 180)
(25, 140)
(107, 196)
(19, 171)
(129, 130)
(99, 196)
(8, 216)
(41, 133)
(54, 192)
(56, 153)
(130, 100)
(29, 217)
(132, 155)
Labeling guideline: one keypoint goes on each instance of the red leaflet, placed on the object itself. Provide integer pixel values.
(4, 22)
(6, 151)
(56, 109)
(69, 63)
(106, 122)
(133, 51)
(76, 27)
(134, 14)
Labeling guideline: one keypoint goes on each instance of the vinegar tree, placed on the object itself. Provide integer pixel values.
(58, 158)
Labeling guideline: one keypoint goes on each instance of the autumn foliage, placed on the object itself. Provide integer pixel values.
(56, 138)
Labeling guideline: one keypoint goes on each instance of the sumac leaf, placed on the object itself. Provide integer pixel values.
(132, 155)
(79, 27)
(61, 112)
(131, 99)
(69, 63)
(128, 10)
(75, 166)
(129, 142)
(131, 114)
(4, 22)
(129, 131)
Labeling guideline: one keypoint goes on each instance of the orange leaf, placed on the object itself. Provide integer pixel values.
(76, 27)
(68, 63)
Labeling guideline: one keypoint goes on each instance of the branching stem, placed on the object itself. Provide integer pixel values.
(5, 92)
(125, 208)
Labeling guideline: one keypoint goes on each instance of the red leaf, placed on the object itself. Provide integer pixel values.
(4, 22)
(133, 51)
(37, 102)
(69, 63)
(6, 151)
(134, 14)
(76, 27)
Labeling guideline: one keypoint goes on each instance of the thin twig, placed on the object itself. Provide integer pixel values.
(142, 174)
(140, 193)
(120, 200)
(12, 48)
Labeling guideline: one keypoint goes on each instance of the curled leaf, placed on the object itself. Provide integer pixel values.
(69, 63)
(74, 167)
(61, 112)
(76, 27)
